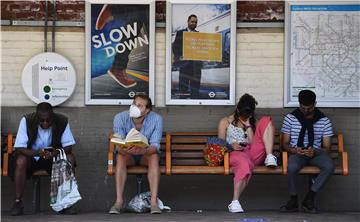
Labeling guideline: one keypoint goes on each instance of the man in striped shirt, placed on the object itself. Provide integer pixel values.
(307, 137)
(150, 125)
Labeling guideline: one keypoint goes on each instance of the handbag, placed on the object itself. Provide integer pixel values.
(63, 186)
(214, 151)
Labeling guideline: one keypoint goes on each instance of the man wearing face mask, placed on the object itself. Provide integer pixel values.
(307, 137)
(189, 71)
(150, 125)
(39, 135)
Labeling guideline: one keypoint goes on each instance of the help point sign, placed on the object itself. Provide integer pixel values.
(49, 77)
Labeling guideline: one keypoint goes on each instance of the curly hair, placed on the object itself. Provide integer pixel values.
(245, 108)
(145, 97)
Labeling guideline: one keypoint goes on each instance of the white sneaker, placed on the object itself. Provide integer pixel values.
(270, 161)
(235, 207)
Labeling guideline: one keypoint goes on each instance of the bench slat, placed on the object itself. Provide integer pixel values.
(267, 170)
(187, 147)
(193, 133)
(40, 173)
(179, 155)
(197, 170)
(142, 170)
(188, 162)
(186, 140)
(315, 170)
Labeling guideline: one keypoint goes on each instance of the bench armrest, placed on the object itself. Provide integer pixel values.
(344, 154)
(284, 162)
(10, 142)
(110, 167)
(340, 142)
(5, 162)
(168, 155)
(345, 163)
(9, 151)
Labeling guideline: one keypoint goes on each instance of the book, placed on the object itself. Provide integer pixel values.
(133, 138)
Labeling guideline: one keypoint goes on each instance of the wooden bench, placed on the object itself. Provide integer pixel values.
(7, 147)
(186, 155)
(182, 153)
(337, 153)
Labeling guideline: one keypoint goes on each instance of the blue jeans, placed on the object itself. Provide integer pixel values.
(320, 159)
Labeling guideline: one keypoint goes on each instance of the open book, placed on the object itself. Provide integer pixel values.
(133, 138)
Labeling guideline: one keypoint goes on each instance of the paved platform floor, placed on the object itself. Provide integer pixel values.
(205, 216)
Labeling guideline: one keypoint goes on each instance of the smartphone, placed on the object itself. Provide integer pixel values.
(243, 144)
(49, 149)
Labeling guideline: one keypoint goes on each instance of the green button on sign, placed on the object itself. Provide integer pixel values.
(47, 89)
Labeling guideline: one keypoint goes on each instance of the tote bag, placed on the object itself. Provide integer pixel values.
(64, 189)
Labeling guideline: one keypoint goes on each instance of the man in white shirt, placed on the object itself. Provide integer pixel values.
(39, 136)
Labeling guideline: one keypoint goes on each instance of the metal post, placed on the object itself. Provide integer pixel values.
(45, 26)
(139, 183)
(36, 194)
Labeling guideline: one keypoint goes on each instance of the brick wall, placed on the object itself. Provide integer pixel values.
(35, 10)
(247, 11)
(260, 11)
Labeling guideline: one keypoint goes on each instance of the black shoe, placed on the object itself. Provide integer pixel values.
(308, 206)
(69, 211)
(291, 206)
(17, 209)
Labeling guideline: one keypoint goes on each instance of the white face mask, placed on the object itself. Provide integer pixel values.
(134, 111)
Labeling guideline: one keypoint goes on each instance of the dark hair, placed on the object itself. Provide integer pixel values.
(245, 108)
(44, 107)
(307, 97)
(144, 96)
(190, 16)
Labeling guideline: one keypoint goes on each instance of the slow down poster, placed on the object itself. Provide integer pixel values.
(120, 54)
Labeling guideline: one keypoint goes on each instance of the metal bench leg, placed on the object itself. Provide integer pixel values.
(36, 194)
(139, 183)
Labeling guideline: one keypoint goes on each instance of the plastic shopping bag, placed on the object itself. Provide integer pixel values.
(141, 203)
(64, 189)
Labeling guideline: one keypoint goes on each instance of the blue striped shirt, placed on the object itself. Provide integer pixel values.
(151, 128)
(292, 127)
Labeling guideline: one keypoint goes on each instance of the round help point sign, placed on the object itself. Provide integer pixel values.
(48, 77)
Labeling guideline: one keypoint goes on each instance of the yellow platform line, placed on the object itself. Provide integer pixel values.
(138, 75)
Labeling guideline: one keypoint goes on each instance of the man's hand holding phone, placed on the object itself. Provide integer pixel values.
(47, 153)
(309, 152)
(299, 150)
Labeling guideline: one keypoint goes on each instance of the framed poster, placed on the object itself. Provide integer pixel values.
(322, 52)
(200, 52)
(120, 54)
